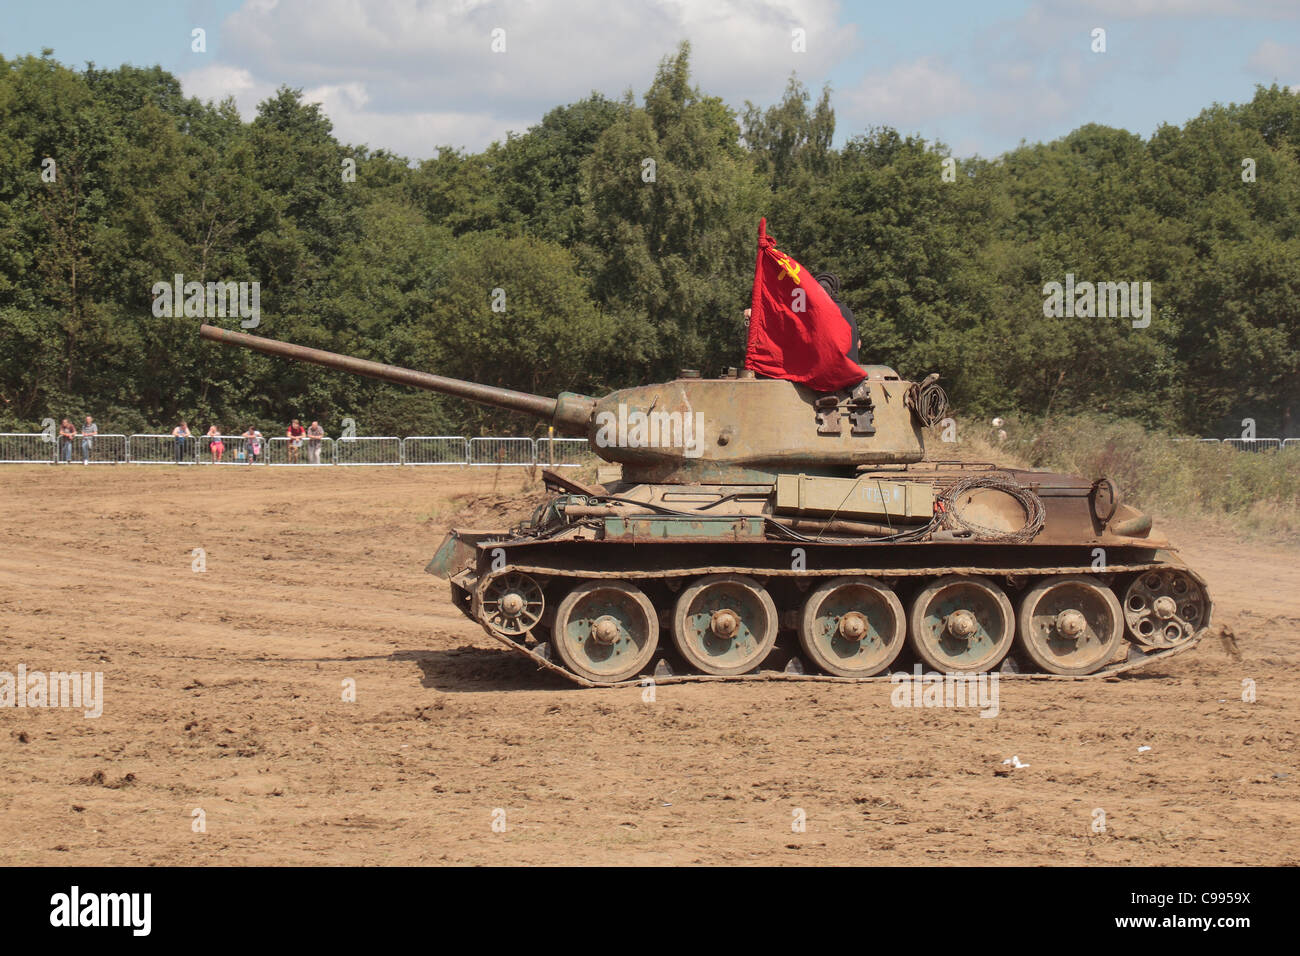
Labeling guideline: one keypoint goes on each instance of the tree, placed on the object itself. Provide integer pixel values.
(671, 213)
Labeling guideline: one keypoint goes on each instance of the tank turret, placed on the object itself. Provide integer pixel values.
(738, 429)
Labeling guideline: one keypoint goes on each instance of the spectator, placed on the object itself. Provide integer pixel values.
(88, 434)
(253, 438)
(181, 433)
(215, 445)
(295, 434)
(314, 435)
(67, 432)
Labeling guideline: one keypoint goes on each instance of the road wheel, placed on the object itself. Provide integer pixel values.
(961, 624)
(853, 627)
(724, 624)
(1070, 624)
(605, 631)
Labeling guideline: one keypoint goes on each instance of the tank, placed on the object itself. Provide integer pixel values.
(760, 530)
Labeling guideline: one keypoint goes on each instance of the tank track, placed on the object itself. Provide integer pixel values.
(1135, 656)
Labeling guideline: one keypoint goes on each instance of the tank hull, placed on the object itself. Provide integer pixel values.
(1074, 600)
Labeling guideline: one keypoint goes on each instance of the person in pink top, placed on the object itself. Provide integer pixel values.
(215, 444)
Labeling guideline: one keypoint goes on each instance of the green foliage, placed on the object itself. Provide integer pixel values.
(612, 276)
(672, 206)
(1255, 490)
(515, 312)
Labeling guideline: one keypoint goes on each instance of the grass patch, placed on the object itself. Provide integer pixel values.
(1257, 492)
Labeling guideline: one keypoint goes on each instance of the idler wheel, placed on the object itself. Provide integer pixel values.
(1165, 607)
(512, 604)
(1070, 624)
(724, 624)
(605, 631)
(852, 627)
(961, 624)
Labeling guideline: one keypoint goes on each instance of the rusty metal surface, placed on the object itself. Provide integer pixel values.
(750, 430)
(552, 571)
(538, 406)
(719, 430)
(1127, 665)
(728, 440)
(1136, 657)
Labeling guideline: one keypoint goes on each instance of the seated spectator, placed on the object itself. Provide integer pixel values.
(215, 445)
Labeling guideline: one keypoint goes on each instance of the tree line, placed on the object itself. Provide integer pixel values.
(613, 243)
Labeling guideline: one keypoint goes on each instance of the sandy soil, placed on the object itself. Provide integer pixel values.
(224, 694)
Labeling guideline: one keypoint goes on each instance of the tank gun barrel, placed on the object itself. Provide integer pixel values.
(568, 413)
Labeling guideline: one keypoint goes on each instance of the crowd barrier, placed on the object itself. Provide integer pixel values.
(45, 449)
(234, 450)
(306, 454)
(435, 450)
(21, 448)
(41, 448)
(563, 452)
(368, 451)
(1254, 444)
(162, 450)
(502, 451)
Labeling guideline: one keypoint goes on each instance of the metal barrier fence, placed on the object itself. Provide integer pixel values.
(280, 451)
(1254, 444)
(563, 452)
(98, 450)
(502, 451)
(235, 450)
(161, 450)
(435, 450)
(368, 451)
(20, 448)
(37, 448)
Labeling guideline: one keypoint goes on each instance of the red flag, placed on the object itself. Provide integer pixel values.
(796, 331)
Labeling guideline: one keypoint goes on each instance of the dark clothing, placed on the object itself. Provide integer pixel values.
(845, 311)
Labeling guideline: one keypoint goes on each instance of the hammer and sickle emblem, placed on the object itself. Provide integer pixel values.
(788, 268)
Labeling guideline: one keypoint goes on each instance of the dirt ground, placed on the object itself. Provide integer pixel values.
(223, 694)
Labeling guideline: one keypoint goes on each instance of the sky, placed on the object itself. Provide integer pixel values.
(411, 76)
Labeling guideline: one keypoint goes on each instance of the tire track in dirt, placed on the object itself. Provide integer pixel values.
(223, 692)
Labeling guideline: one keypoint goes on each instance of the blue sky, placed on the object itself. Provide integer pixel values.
(410, 75)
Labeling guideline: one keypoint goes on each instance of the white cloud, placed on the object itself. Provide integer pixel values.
(1141, 9)
(1275, 59)
(909, 94)
(417, 134)
(417, 72)
(217, 82)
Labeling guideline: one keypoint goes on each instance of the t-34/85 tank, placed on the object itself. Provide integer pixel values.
(748, 507)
